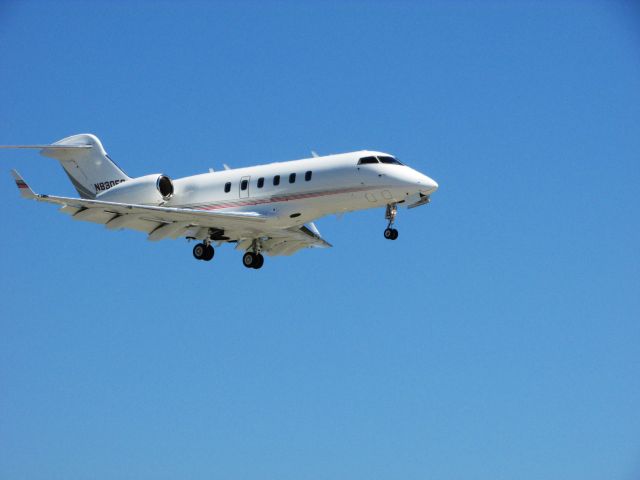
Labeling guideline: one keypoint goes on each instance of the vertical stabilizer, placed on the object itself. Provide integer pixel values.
(86, 163)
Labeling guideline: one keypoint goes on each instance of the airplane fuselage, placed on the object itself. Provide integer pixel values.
(295, 192)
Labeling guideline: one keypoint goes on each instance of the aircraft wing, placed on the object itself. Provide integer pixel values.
(170, 222)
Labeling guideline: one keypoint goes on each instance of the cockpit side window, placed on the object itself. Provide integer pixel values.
(366, 160)
(389, 160)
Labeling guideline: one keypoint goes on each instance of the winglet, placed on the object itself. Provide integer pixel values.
(25, 190)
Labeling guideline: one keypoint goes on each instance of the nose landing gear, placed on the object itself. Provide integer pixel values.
(391, 233)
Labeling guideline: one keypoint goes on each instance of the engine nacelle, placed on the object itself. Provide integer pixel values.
(148, 190)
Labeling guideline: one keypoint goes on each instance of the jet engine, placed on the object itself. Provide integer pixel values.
(148, 190)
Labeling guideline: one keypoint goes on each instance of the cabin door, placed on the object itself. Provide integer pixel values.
(244, 187)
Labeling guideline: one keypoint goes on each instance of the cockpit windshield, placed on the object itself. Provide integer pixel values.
(379, 159)
(366, 160)
(389, 160)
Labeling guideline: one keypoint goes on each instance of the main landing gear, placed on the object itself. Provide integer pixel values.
(253, 258)
(203, 251)
(391, 233)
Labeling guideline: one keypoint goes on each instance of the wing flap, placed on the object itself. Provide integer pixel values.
(95, 215)
(168, 230)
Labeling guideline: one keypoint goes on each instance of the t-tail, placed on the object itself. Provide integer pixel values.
(85, 162)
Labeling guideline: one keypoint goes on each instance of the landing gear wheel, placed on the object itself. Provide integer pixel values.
(249, 260)
(391, 233)
(209, 253)
(259, 261)
(199, 251)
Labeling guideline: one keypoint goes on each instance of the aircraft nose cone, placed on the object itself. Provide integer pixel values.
(428, 184)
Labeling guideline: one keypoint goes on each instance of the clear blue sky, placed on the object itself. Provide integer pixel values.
(498, 338)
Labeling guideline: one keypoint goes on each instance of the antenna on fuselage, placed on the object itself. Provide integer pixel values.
(226, 167)
(314, 154)
(211, 170)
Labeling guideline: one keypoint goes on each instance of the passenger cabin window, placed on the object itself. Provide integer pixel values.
(244, 184)
(367, 160)
(389, 160)
(227, 187)
(261, 182)
(307, 176)
(292, 178)
(276, 180)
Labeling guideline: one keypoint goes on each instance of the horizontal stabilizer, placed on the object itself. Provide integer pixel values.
(53, 147)
(84, 160)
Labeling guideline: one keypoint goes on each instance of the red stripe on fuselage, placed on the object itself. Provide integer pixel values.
(276, 199)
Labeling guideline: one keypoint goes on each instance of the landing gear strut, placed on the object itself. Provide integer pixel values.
(391, 233)
(203, 251)
(253, 258)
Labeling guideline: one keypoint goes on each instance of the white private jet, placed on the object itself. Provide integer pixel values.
(262, 209)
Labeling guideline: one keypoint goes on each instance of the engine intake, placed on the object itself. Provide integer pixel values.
(165, 186)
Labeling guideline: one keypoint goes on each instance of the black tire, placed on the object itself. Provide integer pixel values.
(249, 259)
(394, 235)
(259, 261)
(388, 233)
(199, 251)
(209, 253)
